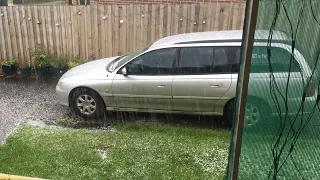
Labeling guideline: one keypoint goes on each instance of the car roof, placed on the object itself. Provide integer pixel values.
(216, 36)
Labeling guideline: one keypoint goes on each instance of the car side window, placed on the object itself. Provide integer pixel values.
(195, 60)
(208, 60)
(234, 58)
(280, 60)
(158, 62)
(221, 61)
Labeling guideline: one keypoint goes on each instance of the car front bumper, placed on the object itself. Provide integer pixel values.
(63, 96)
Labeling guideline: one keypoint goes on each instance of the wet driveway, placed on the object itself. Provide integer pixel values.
(27, 99)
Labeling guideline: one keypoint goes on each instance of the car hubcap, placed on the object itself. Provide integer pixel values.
(86, 104)
(252, 116)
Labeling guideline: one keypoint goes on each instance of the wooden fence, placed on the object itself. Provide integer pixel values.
(93, 32)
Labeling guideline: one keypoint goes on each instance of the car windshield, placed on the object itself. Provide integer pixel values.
(115, 64)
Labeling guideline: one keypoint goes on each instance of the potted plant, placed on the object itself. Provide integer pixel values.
(24, 71)
(59, 66)
(9, 68)
(41, 61)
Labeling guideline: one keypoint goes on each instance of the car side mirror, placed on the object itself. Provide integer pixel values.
(124, 71)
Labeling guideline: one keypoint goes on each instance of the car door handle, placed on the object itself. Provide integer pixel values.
(161, 86)
(216, 85)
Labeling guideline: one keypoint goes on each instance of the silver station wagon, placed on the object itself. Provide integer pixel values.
(194, 73)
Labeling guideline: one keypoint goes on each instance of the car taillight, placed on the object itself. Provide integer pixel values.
(310, 91)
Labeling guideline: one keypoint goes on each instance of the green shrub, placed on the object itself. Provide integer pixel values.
(40, 57)
(58, 62)
(75, 62)
(12, 63)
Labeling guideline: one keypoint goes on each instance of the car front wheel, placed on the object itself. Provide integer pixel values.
(87, 103)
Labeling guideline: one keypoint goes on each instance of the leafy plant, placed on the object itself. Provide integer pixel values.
(58, 62)
(40, 57)
(12, 63)
(75, 62)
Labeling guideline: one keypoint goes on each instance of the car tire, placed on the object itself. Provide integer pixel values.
(256, 112)
(229, 113)
(87, 103)
(252, 114)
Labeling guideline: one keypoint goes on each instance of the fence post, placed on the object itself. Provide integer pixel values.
(242, 88)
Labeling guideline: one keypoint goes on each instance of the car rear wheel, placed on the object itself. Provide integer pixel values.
(255, 112)
(229, 113)
(87, 103)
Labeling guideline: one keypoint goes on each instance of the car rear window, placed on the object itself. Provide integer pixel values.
(280, 60)
(208, 60)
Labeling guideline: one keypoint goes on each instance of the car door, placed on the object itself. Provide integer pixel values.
(200, 79)
(148, 84)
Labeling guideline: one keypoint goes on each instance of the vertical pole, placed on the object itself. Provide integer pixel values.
(242, 87)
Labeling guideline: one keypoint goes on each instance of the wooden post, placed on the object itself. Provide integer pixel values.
(13, 177)
(242, 89)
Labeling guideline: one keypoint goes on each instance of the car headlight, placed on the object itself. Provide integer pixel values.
(59, 84)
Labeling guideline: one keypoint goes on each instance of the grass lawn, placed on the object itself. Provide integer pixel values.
(133, 152)
(256, 157)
